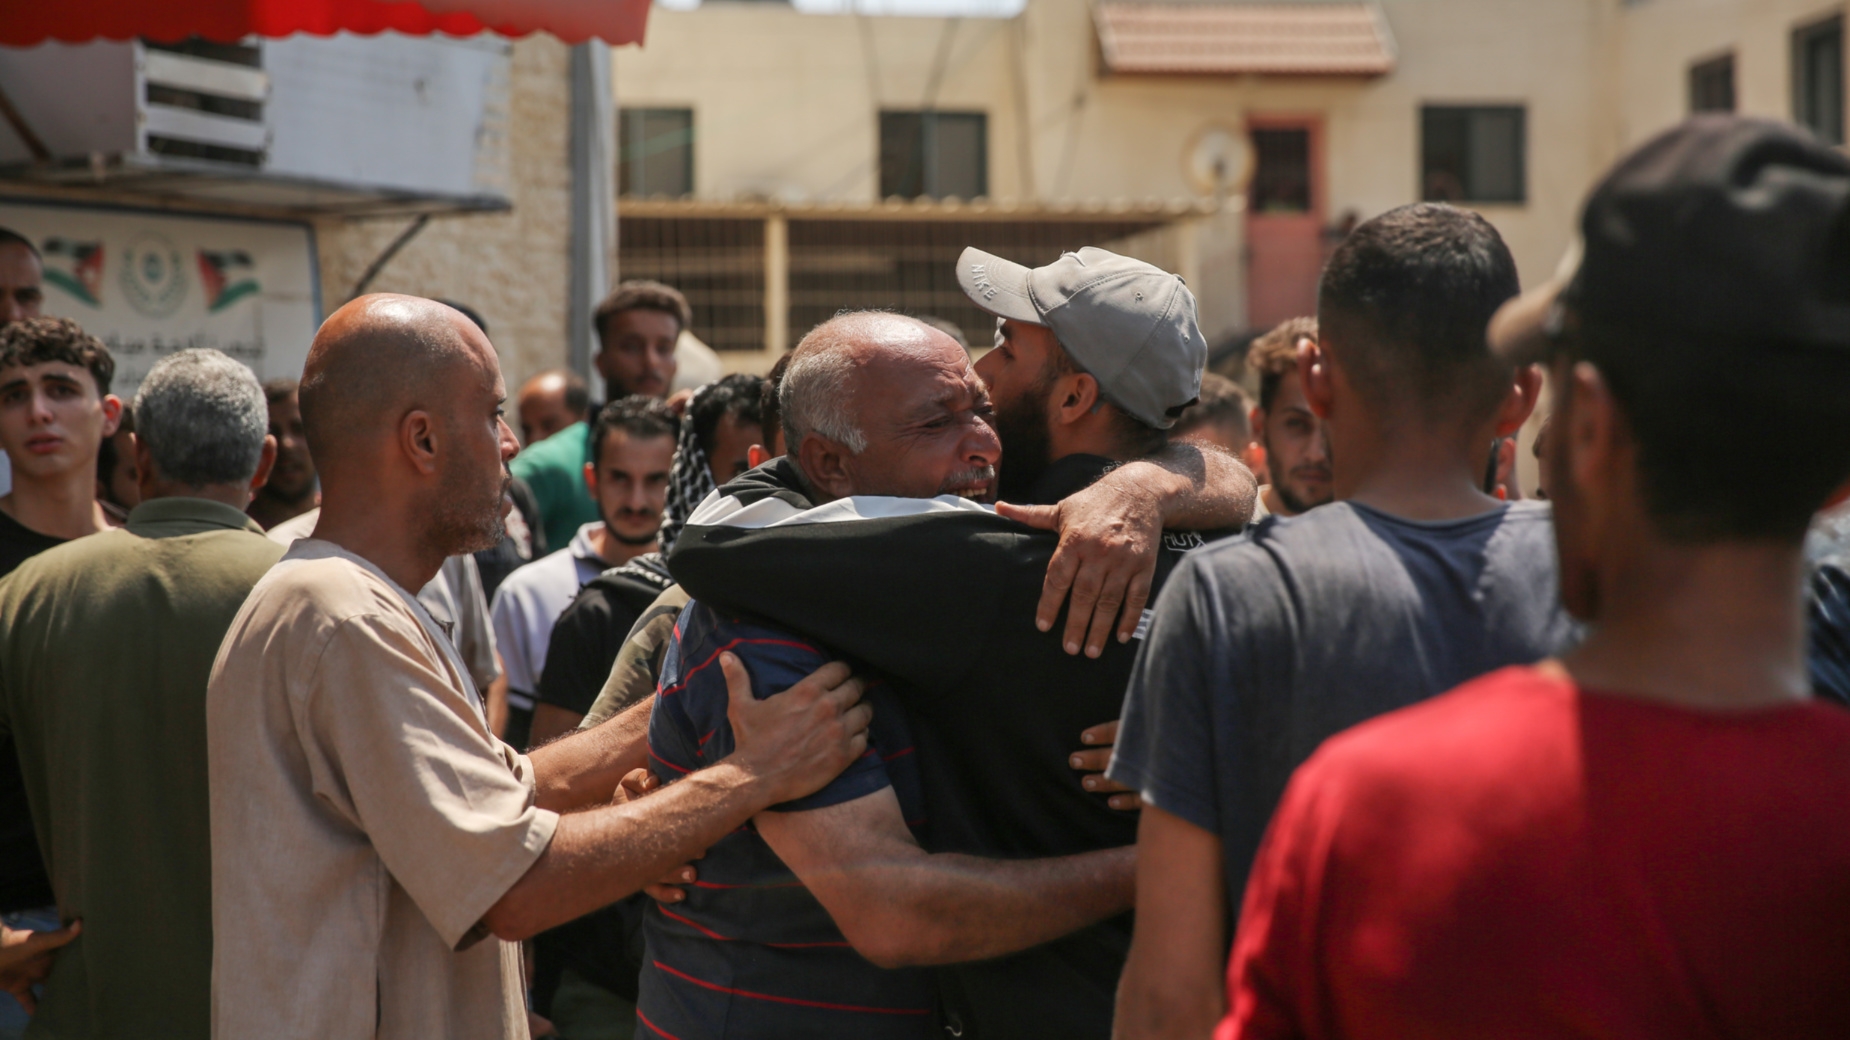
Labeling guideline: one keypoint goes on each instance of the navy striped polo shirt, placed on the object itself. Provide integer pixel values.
(749, 952)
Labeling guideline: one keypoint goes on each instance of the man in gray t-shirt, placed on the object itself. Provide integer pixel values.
(1412, 582)
(1261, 649)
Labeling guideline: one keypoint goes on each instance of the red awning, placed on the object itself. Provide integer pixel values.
(75, 21)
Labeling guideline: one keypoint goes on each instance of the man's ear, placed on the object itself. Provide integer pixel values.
(417, 438)
(112, 414)
(825, 464)
(1520, 401)
(265, 463)
(1590, 437)
(1315, 377)
(591, 478)
(756, 456)
(1075, 396)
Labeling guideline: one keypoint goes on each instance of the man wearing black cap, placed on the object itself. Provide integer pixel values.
(1648, 837)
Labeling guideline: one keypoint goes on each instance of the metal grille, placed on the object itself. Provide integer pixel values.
(836, 264)
(718, 263)
(911, 266)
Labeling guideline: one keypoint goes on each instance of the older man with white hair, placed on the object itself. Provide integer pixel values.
(967, 840)
(105, 649)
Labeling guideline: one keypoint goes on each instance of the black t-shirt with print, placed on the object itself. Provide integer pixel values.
(23, 883)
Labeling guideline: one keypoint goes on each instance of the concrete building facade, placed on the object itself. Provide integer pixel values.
(784, 128)
(779, 161)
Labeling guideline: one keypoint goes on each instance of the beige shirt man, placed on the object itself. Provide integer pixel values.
(347, 744)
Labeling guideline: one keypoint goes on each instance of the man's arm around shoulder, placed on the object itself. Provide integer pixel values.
(1112, 531)
(787, 747)
(898, 905)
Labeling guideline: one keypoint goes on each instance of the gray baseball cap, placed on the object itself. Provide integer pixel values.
(1128, 323)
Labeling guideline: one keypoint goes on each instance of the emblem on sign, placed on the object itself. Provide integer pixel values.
(153, 275)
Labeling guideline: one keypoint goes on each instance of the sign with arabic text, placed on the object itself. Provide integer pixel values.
(148, 284)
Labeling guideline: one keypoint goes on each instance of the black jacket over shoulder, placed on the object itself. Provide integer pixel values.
(938, 596)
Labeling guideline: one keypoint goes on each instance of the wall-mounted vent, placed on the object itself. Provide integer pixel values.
(204, 100)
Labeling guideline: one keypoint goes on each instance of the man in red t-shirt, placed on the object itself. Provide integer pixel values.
(1650, 837)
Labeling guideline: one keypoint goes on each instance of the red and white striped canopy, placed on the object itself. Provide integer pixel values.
(75, 21)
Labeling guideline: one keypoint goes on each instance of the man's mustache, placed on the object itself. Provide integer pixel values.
(975, 475)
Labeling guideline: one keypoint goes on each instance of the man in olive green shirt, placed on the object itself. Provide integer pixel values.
(105, 649)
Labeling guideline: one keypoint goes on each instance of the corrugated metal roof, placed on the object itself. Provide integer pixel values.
(1224, 39)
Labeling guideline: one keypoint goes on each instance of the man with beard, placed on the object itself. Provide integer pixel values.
(291, 490)
(711, 444)
(632, 449)
(638, 325)
(968, 838)
(368, 831)
(1297, 451)
(571, 635)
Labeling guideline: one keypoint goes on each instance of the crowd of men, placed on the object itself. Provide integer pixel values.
(901, 694)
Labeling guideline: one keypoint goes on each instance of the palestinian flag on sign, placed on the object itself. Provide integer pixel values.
(227, 276)
(75, 267)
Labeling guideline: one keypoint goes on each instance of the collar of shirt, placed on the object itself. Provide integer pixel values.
(581, 542)
(178, 515)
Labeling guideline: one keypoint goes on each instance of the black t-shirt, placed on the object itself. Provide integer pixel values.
(586, 638)
(23, 883)
(941, 597)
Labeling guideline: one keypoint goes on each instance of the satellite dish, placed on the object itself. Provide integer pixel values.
(1217, 161)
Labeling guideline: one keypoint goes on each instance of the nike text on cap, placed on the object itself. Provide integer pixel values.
(1130, 325)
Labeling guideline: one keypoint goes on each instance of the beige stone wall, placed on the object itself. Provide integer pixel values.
(512, 266)
(786, 107)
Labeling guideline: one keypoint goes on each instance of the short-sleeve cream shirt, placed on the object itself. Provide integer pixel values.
(363, 818)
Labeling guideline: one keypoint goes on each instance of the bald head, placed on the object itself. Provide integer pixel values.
(378, 358)
(882, 404)
(551, 401)
(401, 406)
(825, 388)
